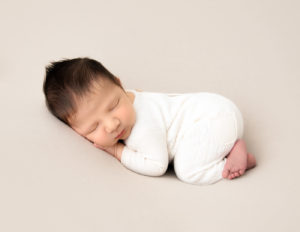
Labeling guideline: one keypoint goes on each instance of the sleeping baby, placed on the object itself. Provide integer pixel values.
(200, 133)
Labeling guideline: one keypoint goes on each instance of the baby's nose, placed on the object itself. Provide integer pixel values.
(112, 125)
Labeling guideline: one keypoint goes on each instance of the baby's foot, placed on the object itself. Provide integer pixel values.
(251, 161)
(237, 161)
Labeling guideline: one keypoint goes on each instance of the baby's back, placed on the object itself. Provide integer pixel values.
(180, 111)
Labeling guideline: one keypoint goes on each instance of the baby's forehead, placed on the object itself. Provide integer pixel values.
(100, 94)
(86, 105)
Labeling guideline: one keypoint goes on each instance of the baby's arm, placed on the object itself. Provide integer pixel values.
(149, 156)
(145, 164)
(119, 150)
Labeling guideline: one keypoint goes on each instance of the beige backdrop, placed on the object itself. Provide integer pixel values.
(53, 180)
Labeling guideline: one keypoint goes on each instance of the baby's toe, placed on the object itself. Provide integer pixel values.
(236, 170)
(242, 171)
(225, 173)
(232, 176)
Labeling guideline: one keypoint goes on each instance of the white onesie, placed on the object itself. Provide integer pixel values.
(194, 130)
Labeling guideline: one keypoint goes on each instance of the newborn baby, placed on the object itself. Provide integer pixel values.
(201, 133)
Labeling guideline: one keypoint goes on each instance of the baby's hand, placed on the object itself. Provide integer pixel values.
(111, 150)
(115, 150)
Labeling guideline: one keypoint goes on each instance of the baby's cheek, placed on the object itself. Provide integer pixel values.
(124, 113)
(100, 139)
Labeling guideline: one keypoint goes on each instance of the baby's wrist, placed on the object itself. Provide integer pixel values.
(119, 150)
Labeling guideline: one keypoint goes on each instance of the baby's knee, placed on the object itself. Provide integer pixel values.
(200, 175)
(188, 175)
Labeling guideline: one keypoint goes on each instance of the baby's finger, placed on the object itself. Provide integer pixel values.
(98, 146)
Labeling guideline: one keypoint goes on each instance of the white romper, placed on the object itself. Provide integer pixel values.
(195, 131)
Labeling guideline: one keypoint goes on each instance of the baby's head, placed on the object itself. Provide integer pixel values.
(83, 94)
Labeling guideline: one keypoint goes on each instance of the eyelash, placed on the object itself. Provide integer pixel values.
(115, 105)
(94, 128)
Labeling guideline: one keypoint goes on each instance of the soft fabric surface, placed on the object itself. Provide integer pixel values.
(53, 180)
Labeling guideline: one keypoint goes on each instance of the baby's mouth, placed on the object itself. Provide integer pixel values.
(120, 135)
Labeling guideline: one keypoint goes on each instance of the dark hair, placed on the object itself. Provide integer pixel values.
(70, 79)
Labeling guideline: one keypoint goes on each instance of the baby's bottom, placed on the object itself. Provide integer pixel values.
(200, 158)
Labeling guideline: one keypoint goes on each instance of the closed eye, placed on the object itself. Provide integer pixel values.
(94, 128)
(116, 104)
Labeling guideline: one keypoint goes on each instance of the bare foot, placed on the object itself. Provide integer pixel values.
(237, 161)
(251, 161)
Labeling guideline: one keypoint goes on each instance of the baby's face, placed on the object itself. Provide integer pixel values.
(103, 115)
